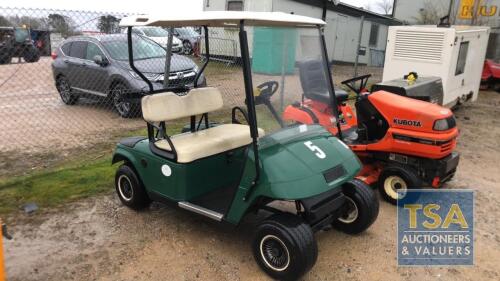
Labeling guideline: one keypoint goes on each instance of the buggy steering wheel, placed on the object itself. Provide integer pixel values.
(265, 91)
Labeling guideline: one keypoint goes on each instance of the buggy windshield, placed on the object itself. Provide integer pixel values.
(287, 63)
(143, 48)
(155, 32)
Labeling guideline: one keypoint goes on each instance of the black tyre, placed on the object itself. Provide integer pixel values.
(361, 209)
(130, 189)
(31, 55)
(394, 179)
(187, 47)
(125, 107)
(5, 57)
(284, 247)
(65, 92)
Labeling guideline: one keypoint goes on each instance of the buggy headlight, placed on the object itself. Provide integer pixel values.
(441, 125)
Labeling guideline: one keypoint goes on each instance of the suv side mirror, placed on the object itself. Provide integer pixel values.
(100, 60)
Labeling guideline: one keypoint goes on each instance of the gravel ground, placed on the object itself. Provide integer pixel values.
(98, 239)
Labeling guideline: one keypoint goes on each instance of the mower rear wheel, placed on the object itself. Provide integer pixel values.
(394, 179)
(284, 247)
(361, 208)
(130, 189)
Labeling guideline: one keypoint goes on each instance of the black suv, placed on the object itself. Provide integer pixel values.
(97, 67)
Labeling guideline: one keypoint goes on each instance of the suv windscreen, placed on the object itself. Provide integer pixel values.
(92, 51)
(66, 48)
(78, 49)
(143, 49)
(155, 32)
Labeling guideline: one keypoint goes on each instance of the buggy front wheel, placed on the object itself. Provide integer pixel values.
(284, 247)
(360, 210)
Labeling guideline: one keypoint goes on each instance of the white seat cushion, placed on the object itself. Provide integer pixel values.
(204, 143)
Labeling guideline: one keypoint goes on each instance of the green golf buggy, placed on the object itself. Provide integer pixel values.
(227, 166)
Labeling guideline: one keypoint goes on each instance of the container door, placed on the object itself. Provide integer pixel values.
(340, 38)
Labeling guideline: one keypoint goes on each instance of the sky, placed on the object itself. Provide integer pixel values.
(127, 6)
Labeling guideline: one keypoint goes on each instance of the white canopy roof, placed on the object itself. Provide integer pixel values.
(221, 18)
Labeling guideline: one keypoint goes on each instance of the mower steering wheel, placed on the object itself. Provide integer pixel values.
(351, 83)
(266, 91)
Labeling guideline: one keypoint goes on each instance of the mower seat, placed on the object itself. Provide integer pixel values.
(314, 82)
(191, 146)
(324, 96)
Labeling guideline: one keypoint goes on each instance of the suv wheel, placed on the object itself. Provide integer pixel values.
(64, 89)
(187, 47)
(124, 107)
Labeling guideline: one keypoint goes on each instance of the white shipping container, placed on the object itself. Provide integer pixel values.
(455, 54)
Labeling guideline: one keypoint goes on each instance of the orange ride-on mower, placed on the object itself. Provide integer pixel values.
(403, 143)
(3, 233)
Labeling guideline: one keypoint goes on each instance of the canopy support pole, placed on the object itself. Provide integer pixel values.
(131, 60)
(247, 76)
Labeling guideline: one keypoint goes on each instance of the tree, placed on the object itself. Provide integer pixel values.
(108, 24)
(4, 21)
(31, 22)
(384, 6)
(61, 24)
(429, 14)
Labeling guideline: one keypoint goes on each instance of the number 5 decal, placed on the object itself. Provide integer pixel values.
(319, 153)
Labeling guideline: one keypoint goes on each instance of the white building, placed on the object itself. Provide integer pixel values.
(341, 33)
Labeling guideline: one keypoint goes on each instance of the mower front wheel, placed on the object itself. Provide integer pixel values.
(394, 179)
(130, 189)
(361, 208)
(284, 247)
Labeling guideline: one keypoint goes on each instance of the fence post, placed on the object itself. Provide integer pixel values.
(359, 45)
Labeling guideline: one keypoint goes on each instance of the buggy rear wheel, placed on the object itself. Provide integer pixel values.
(130, 189)
(361, 208)
(284, 247)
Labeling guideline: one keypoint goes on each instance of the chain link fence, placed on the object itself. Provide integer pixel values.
(66, 83)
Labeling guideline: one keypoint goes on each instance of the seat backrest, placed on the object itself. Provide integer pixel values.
(169, 106)
(312, 76)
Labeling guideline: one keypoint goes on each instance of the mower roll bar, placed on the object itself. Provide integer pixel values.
(351, 83)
